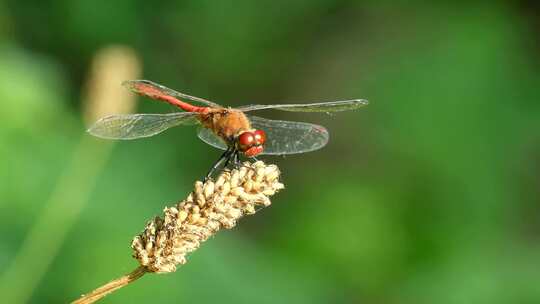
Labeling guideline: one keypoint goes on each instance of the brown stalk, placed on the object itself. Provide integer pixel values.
(110, 287)
(165, 242)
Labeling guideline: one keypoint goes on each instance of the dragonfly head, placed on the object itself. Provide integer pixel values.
(251, 143)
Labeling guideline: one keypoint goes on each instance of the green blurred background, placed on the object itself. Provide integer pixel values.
(428, 195)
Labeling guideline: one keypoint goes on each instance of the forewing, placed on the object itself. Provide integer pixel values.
(290, 137)
(332, 106)
(133, 126)
(211, 138)
(148, 88)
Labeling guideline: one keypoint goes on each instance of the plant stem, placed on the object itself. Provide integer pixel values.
(110, 287)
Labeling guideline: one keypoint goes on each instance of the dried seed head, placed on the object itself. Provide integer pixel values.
(211, 206)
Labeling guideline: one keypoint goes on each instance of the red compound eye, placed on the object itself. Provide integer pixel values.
(260, 137)
(246, 140)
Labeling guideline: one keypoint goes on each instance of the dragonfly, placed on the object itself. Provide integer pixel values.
(226, 128)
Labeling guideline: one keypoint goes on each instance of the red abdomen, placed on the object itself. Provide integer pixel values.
(154, 93)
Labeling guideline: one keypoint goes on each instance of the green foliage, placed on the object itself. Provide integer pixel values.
(428, 195)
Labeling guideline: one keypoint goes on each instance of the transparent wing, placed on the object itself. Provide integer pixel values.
(210, 138)
(147, 88)
(290, 137)
(132, 126)
(282, 137)
(332, 106)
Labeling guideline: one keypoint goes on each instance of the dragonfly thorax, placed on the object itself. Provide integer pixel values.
(226, 123)
(234, 128)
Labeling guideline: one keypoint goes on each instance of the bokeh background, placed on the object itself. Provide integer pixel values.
(428, 195)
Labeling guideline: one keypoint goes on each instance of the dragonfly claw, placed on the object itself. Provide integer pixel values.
(237, 166)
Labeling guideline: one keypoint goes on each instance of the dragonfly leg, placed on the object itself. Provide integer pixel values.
(226, 156)
(237, 162)
(229, 158)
